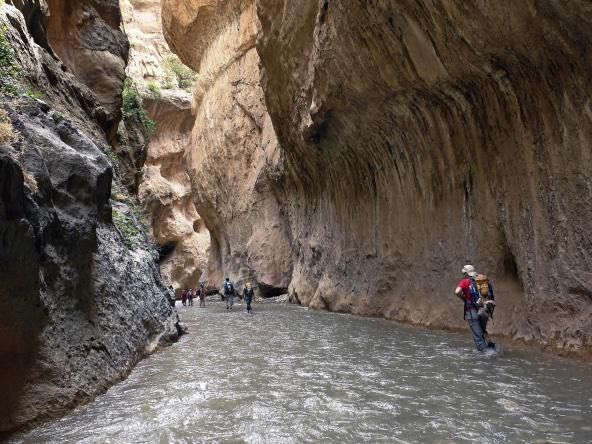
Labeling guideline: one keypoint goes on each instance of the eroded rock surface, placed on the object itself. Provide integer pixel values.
(412, 137)
(166, 193)
(436, 135)
(81, 301)
(165, 187)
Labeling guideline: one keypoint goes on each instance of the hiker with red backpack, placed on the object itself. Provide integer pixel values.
(477, 294)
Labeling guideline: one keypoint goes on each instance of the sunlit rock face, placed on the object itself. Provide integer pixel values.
(408, 138)
(234, 159)
(148, 49)
(165, 186)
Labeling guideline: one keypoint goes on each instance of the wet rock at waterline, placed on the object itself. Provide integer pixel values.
(371, 149)
(81, 297)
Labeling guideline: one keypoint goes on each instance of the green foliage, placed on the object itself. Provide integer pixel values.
(126, 226)
(57, 117)
(111, 155)
(133, 110)
(169, 81)
(9, 69)
(184, 76)
(34, 94)
(120, 194)
(154, 90)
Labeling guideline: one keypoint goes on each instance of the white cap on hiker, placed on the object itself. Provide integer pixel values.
(470, 270)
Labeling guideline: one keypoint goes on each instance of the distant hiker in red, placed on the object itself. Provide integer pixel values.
(202, 295)
(184, 297)
(478, 304)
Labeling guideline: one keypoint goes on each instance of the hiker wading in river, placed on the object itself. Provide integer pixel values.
(229, 294)
(202, 295)
(477, 294)
(248, 294)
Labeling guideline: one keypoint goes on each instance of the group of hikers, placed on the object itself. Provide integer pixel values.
(474, 289)
(188, 294)
(477, 294)
(228, 293)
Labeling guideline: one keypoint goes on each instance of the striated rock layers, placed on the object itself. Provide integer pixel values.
(412, 137)
(80, 301)
(165, 187)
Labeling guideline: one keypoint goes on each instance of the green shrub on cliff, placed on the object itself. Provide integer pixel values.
(185, 76)
(126, 226)
(9, 69)
(34, 94)
(154, 90)
(108, 150)
(133, 110)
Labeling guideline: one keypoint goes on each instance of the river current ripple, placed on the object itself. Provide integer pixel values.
(287, 374)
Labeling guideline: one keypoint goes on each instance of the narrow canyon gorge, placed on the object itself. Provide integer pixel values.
(360, 154)
(353, 155)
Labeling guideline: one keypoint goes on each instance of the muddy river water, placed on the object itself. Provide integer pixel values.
(288, 374)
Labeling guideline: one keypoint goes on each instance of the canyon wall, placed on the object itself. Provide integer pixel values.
(81, 296)
(165, 187)
(407, 138)
(234, 158)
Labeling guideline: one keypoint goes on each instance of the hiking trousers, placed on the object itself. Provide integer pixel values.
(230, 300)
(477, 329)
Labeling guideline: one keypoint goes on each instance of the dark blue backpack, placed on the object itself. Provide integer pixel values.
(228, 288)
(474, 292)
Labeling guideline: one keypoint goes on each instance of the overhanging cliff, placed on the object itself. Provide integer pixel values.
(406, 139)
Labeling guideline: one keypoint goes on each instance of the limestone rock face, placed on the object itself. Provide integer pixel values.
(165, 187)
(407, 139)
(81, 301)
(234, 158)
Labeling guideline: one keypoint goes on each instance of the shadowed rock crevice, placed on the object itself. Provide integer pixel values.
(267, 291)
